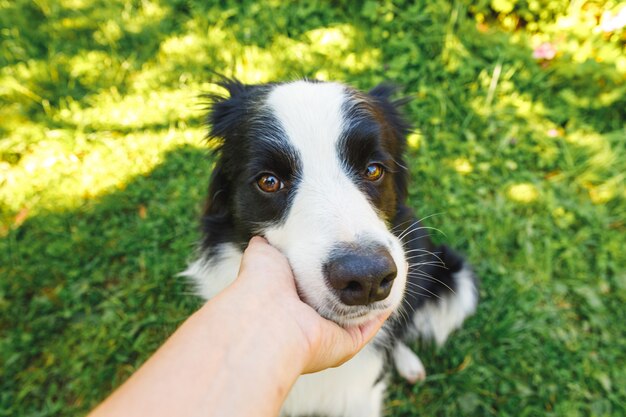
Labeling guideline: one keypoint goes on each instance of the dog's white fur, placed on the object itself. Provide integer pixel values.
(347, 391)
(408, 364)
(437, 321)
(211, 277)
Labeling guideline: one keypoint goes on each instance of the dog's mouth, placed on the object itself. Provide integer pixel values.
(350, 316)
(355, 283)
(345, 315)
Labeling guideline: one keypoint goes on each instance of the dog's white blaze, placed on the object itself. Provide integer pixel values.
(328, 207)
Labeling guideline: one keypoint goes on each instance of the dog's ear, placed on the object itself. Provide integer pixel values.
(395, 132)
(217, 224)
(225, 120)
(383, 92)
(227, 111)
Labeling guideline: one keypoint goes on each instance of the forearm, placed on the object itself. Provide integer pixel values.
(254, 375)
(217, 363)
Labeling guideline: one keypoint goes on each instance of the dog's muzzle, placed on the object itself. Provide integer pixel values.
(360, 275)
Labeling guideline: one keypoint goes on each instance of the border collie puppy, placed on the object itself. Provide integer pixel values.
(317, 169)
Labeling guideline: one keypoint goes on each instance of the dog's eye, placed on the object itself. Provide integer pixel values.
(269, 183)
(374, 172)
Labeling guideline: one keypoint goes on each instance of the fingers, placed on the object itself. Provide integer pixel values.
(338, 345)
(262, 259)
(258, 245)
(369, 329)
(257, 240)
(267, 274)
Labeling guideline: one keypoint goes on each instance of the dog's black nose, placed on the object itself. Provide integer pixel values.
(361, 276)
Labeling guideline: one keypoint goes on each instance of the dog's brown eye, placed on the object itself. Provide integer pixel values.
(374, 172)
(269, 183)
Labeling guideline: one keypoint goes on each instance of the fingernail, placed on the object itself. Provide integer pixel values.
(257, 239)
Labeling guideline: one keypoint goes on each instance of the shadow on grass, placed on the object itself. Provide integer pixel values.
(47, 49)
(89, 293)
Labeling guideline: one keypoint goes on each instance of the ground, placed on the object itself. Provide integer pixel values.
(518, 157)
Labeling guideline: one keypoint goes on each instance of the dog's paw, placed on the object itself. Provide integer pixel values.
(408, 364)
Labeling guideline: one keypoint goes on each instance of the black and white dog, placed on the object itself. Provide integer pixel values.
(317, 169)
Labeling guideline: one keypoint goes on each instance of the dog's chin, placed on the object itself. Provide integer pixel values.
(351, 316)
(346, 316)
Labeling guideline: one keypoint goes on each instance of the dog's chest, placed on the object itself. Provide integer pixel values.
(354, 389)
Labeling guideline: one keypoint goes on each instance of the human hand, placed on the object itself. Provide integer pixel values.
(267, 285)
(252, 341)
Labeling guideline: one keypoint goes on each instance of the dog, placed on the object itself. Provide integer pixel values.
(317, 168)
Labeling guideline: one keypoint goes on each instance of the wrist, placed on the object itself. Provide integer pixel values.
(260, 338)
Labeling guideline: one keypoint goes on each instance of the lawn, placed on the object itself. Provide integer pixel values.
(519, 151)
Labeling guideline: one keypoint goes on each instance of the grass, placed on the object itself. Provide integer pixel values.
(103, 169)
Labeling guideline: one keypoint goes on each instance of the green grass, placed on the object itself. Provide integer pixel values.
(103, 169)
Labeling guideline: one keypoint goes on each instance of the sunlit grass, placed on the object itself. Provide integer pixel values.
(462, 166)
(111, 111)
(523, 193)
(68, 167)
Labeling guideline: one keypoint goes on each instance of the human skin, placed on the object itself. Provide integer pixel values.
(240, 354)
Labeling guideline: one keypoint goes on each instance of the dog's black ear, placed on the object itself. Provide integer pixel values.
(399, 128)
(217, 224)
(225, 120)
(227, 111)
(384, 92)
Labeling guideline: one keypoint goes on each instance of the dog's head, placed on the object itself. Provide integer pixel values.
(316, 168)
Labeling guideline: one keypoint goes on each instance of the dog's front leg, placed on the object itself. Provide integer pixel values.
(408, 364)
